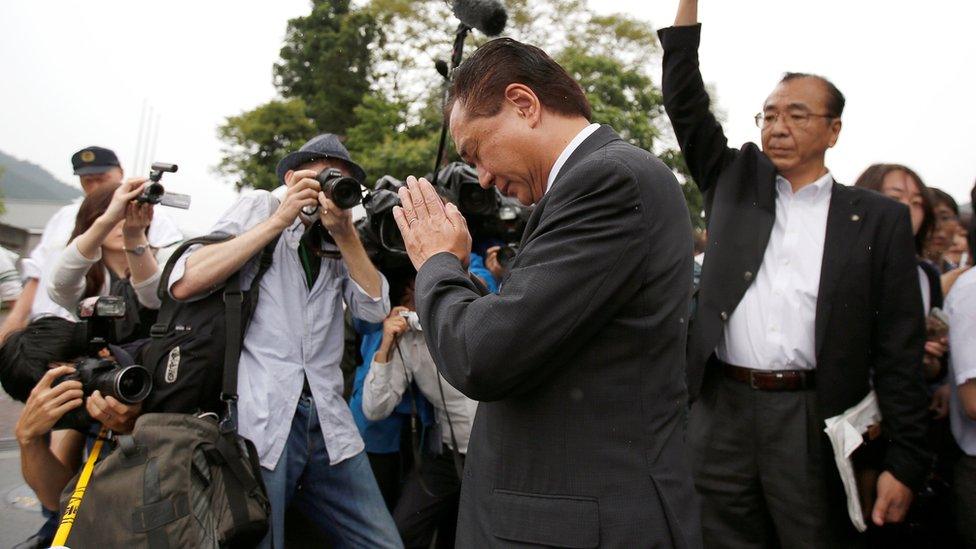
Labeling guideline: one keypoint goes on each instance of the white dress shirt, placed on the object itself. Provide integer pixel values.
(773, 326)
(567, 152)
(294, 333)
(960, 306)
(386, 382)
(163, 233)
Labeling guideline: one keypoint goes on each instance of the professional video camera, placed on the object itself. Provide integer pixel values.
(490, 215)
(154, 193)
(378, 230)
(96, 372)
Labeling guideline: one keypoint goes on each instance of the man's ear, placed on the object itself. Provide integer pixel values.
(835, 127)
(525, 102)
(288, 175)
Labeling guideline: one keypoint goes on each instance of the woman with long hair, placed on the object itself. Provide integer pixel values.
(109, 254)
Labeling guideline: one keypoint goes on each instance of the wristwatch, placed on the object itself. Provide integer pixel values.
(138, 250)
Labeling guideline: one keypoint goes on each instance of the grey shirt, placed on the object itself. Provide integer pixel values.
(293, 331)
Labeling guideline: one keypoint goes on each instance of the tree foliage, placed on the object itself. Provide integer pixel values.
(366, 71)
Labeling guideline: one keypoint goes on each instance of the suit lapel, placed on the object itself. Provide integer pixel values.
(591, 144)
(844, 221)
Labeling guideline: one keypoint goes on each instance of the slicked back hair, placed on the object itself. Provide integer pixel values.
(835, 99)
(479, 83)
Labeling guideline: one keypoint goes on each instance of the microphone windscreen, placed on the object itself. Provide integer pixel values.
(441, 67)
(488, 16)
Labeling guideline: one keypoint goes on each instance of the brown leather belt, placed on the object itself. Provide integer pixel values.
(770, 380)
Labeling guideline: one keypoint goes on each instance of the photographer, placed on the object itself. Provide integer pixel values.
(109, 254)
(96, 168)
(31, 361)
(430, 496)
(289, 383)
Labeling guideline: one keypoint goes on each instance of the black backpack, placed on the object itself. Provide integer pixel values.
(191, 339)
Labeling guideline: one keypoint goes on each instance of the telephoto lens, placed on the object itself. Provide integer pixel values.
(127, 384)
(345, 191)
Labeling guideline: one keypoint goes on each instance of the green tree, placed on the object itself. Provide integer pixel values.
(254, 141)
(368, 73)
(326, 61)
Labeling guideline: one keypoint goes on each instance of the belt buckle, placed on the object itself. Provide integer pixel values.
(752, 380)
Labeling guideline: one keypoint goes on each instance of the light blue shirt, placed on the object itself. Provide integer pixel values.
(294, 331)
(960, 306)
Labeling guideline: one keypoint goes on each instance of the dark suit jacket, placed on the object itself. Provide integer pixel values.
(578, 363)
(869, 323)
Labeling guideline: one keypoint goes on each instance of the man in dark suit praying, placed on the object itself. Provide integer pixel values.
(579, 360)
(809, 299)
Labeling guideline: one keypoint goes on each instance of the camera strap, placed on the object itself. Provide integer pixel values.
(458, 467)
(236, 321)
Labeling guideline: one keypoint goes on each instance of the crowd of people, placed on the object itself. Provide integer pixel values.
(622, 381)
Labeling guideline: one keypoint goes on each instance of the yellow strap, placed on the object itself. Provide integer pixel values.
(71, 511)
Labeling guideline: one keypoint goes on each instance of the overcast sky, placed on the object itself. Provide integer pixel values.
(79, 73)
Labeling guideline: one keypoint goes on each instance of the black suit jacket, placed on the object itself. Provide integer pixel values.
(869, 323)
(578, 363)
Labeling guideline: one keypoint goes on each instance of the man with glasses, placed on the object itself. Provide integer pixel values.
(809, 300)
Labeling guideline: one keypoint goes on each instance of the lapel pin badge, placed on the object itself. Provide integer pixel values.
(855, 217)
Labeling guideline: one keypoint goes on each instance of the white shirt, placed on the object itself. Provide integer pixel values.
(773, 327)
(163, 232)
(293, 332)
(960, 306)
(386, 382)
(66, 280)
(567, 152)
(10, 286)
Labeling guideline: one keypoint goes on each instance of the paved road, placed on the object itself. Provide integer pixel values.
(20, 513)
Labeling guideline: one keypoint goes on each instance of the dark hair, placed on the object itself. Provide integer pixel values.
(873, 178)
(835, 99)
(941, 197)
(91, 208)
(25, 355)
(479, 83)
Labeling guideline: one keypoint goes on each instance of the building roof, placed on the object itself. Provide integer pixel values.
(30, 215)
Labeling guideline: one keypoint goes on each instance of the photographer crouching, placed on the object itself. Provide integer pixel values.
(48, 367)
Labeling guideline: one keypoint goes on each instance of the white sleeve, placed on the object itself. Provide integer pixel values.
(247, 212)
(10, 285)
(362, 305)
(66, 285)
(383, 388)
(962, 332)
(55, 237)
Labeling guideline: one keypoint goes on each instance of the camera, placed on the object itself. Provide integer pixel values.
(378, 230)
(506, 254)
(345, 191)
(127, 384)
(490, 215)
(154, 193)
(413, 320)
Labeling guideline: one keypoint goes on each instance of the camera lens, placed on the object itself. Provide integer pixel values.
(475, 200)
(345, 192)
(132, 384)
(152, 194)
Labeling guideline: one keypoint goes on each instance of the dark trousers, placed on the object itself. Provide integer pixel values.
(429, 503)
(965, 500)
(759, 466)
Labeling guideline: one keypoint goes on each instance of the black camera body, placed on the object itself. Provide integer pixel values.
(127, 384)
(490, 214)
(345, 191)
(155, 193)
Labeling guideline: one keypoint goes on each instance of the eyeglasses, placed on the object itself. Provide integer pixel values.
(766, 120)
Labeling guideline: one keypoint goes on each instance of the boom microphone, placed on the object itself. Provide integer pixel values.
(442, 69)
(488, 16)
